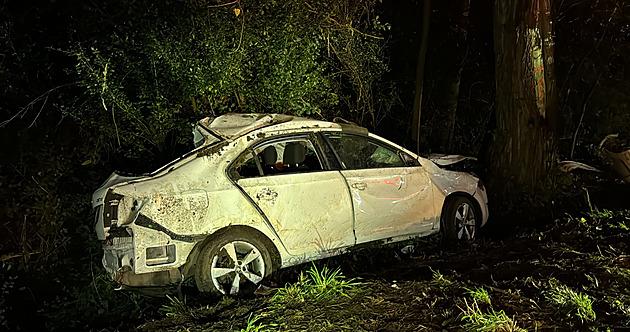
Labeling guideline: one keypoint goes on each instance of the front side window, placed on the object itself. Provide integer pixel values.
(359, 152)
(278, 156)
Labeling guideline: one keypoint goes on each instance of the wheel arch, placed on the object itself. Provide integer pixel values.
(188, 268)
(470, 197)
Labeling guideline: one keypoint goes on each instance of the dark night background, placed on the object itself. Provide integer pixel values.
(58, 144)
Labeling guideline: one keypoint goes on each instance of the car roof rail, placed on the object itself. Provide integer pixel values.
(349, 126)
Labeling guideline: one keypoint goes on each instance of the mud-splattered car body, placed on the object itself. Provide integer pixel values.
(308, 189)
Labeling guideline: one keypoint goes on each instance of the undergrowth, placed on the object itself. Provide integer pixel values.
(317, 284)
(571, 303)
(439, 280)
(477, 320)
(604, 218)
(622, 304)
(479, 294)
(176, 307)
(253, 324)
(316, 287)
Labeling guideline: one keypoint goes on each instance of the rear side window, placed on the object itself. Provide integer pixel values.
(359, 152)
(276, 157)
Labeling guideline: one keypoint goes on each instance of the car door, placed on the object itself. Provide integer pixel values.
(307, 204)
(390, 190)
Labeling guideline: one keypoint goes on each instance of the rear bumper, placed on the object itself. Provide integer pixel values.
(118, 260)
(125, 276)
(118, 253)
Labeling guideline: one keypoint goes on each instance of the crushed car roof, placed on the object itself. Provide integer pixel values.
(234, 125)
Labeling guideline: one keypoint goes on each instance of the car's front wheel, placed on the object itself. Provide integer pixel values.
(460, 219)
(233, 263)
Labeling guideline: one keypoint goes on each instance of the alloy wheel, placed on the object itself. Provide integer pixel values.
(235, 264)
(465, 222)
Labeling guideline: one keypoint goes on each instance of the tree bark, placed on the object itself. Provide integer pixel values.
(524, 153)
(422, 54)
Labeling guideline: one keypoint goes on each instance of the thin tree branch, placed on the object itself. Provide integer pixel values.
(25, 109)
(224, 4)
(577, 129)
(240, 39)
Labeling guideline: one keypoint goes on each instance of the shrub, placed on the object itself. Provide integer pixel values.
(157, 73)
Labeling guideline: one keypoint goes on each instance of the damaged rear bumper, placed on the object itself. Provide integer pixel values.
(118, 260)
(126, 277)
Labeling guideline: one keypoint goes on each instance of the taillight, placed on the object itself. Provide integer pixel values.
(110, 209)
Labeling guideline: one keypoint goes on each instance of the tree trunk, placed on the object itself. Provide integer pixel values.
(422, 54)
(526, 104)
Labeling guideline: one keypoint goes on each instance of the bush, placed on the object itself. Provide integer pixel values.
(158, 73)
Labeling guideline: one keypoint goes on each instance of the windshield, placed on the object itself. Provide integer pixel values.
(202, 135)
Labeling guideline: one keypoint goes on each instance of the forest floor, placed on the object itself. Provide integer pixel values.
(569, 273)
(563, 267)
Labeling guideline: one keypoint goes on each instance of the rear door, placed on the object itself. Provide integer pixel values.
(390, 190)
(308, 204)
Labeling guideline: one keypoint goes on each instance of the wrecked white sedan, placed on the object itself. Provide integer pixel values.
(263, 192)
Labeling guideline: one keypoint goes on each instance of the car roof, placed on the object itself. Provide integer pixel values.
(233, 125)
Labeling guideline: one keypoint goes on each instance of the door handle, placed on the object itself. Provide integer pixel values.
(359, 185)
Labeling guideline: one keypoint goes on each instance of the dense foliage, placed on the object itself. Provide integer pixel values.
(154, 75)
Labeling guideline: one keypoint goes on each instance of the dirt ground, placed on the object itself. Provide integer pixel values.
(427, 289)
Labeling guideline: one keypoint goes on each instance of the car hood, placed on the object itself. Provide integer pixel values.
(113, 179)
(448, 159)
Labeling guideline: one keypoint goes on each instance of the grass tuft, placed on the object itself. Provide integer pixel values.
(479, 294)
(326, 283)
(292, 294)
(253, 327)
(439, 280)
(570, 302)
(476, 320)
(623, 307)
(176, 307)
(316, 284)
(600, 216)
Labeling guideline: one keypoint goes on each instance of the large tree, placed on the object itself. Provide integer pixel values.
(526, 102)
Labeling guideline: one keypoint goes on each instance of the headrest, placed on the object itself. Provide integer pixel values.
(294, 153)
(270, 156)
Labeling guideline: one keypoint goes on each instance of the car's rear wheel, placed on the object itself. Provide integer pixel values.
(234, 263)
(460, 219)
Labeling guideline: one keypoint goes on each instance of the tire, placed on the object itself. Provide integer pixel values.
(460, 217)
(234, 263)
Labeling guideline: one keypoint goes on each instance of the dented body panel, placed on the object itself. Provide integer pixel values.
(310, 211)
(277, 175)
(382, 195)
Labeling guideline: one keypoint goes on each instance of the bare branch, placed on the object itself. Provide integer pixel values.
(25, 109)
